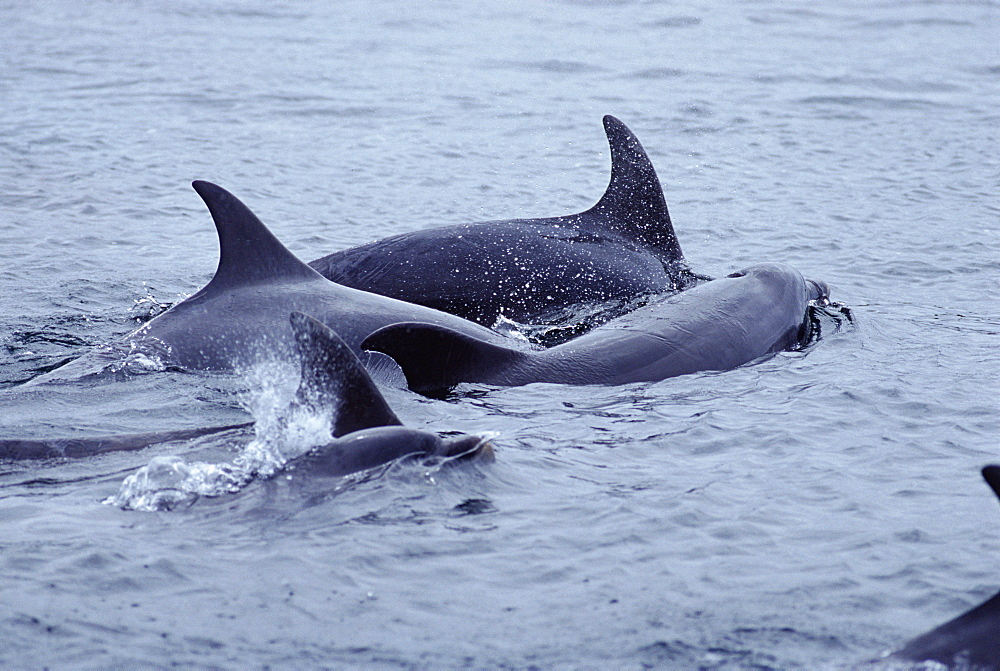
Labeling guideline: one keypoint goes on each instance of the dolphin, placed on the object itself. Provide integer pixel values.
(717, 325)
(533, 270)
(333, 384)
(366, 433)
(241, 315)
(970, 641)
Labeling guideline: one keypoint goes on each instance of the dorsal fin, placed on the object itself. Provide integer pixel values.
(435, 358)
(633, 204)
(992, 476)
(333, 380)
(248, 251)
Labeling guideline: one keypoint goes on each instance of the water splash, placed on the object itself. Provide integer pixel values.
(149, 356)
(283, 430)
(168, 482)
(149, 306)
(824, 317)
(511, 328)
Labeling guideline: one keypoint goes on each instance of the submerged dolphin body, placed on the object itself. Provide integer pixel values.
(971, 640)
(241, 315)
(333, 384)
(75, 448)
(534, 270)
(717, 325)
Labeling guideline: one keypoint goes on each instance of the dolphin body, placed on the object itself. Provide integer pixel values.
(334, 384)
(717, 325)
(534, 270)
(970, 641)
(241, 315)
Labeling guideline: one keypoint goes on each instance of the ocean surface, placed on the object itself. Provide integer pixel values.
(808, 511)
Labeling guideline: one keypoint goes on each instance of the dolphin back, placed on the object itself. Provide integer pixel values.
(971, 640)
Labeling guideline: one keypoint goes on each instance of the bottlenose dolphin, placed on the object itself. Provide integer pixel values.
(242, 313)
(717, 325)
(532, 270)
(366, 433)
(333, 384)
(971, 640)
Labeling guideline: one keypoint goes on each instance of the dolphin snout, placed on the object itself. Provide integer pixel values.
(468, 447)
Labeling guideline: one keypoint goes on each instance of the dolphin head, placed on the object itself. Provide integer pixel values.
(818, 290)
(467, 446)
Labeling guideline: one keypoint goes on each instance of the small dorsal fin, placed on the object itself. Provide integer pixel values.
(634, 205)
(992, 476)
(333, 380)
(248, 251)
(436, 358)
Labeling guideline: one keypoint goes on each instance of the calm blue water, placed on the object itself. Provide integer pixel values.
(809, 511)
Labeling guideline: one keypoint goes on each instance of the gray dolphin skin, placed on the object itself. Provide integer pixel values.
(241, 315)
(971, 640)
(717, 325)
(334, 384)
(533, 270)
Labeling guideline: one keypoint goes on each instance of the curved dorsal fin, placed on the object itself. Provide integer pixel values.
(633, 204)
(248, 251)
(333, 380)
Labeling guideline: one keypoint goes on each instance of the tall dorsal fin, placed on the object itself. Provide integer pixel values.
(248, 251)
(633, 204)
(435, 358)
(333, 380)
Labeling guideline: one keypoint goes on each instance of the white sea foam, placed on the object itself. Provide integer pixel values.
(283, 430)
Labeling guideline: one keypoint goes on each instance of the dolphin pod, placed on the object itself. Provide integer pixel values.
(717, 325)
(241, 315)
(533, 270)
(333, 384)
(623, 247)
